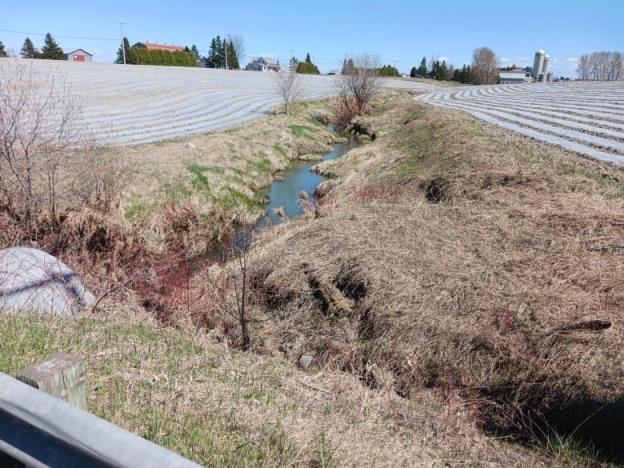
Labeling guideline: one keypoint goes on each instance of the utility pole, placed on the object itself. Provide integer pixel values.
(123, 45)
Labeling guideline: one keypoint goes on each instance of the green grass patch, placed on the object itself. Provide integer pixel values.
(233, 199)
(160, 385)
(262, 165)
(199, 180)
(176, 190)
(136, 208)
(281, 152)
(303, 131)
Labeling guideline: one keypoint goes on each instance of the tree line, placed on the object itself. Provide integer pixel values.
(482, 70)
(601, 66)
(50, 50)
(223, 53)
(142, 56)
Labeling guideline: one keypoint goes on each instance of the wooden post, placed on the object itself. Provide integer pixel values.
(60, 375)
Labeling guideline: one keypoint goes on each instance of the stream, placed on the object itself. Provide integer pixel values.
(284, 193)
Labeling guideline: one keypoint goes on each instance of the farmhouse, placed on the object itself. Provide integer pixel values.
(154, 46)
(515, 77)
(263, 64)
(77, 55)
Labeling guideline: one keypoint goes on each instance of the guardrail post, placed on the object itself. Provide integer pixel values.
(60, 375)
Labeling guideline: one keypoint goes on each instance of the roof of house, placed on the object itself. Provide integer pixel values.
(268, 60)
(155, 46)
(71, 51)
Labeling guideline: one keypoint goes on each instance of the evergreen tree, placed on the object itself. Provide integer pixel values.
(216, 55)
(457, 74)
(306, 67)
(51, 49)
(422, 69)
(388, 70)
(219, 53)
(443, 71)
(195, 51)
(413, 72)
(233, 63)
(28, 49)
(2, 51)
(433, 73)
(130, 59)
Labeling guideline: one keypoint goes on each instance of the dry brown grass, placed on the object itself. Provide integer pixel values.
(221, 407)
(463, 259)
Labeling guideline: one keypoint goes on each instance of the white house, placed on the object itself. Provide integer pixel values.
(263, 64)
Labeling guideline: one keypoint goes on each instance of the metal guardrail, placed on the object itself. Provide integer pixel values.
(39, 430)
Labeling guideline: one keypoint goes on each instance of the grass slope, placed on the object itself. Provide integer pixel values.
(459, 257)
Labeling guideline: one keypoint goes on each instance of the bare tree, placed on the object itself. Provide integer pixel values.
(39, 129)
(238, 42)
(484, 66)
(601, 66)
(361, 82)
(289, 87)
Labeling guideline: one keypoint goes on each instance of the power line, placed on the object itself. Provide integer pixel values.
(61, 37)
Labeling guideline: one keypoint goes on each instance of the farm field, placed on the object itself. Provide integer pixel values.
(585, 117)
(143, 104)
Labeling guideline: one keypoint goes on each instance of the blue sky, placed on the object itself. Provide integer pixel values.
(399, 32)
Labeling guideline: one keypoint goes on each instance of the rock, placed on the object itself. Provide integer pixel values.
(34, 281)
(191, 145)
(306, 360)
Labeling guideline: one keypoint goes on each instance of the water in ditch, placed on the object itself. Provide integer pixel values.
(283, 194)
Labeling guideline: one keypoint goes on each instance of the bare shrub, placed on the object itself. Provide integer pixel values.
(356, 87)
(484, 66)
(42, 143)
(289, 87)
(49, 164)
(234, 293)
(100, 186)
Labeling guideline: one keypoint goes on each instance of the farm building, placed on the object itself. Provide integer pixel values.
(154, 46)
(77, 55)
(263, 64)
(515, 77)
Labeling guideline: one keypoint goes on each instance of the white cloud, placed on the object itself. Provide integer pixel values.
(572, 60)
